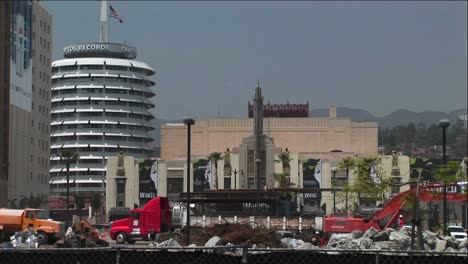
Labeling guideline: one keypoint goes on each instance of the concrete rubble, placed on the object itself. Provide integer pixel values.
(372, 239)
(24, 239)
(394, 240)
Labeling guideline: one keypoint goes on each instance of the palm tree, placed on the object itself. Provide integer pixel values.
(68, 155)
(214, 157)
(285, 158)
(346, 164)
(283, 180)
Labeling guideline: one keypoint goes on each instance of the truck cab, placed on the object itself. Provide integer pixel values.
(143, 223)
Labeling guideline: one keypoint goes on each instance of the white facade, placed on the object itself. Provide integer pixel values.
(99, 107)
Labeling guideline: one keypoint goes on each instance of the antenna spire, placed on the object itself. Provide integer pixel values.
(103, 36)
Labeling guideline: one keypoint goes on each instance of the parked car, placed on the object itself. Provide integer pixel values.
(457, 232)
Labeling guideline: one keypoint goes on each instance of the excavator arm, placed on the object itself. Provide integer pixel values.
(389, 213)
(427, 193)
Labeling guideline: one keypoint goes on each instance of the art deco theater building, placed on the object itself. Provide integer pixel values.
(100, 107)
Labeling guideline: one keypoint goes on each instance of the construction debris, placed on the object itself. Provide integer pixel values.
(24, 239)
(224, 235)
(82, 235)
(391, 239)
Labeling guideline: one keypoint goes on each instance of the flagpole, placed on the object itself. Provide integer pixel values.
(103, 36)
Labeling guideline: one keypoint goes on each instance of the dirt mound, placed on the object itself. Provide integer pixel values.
(237, 234)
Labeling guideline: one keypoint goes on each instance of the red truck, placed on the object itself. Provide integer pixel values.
(143, 223)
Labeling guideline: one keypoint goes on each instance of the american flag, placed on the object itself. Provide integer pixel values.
(114, 14)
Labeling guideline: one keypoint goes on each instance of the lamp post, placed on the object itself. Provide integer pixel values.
(346, 192)
(416, 218)
(235, 178)
(466, 192)
(444, 124)
(334, 170)
(68, 191)
(257, 168)
(202, 192)
(189, 122)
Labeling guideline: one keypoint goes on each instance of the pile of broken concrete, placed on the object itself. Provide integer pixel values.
(374, 240)
(24, 239)
(395, 240)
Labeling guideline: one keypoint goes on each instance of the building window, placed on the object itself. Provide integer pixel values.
(175, 185)
(227, 183)
(250, 183)
(395, 189)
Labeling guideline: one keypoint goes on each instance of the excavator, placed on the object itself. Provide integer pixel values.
(387, 215)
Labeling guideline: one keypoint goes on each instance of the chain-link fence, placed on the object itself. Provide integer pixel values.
(223, 255)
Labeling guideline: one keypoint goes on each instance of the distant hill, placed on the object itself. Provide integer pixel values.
(358, 115)
(396, 118)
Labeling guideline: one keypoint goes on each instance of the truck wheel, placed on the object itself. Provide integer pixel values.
(177, 237)
(301, 237)
(2, 236)
(121, 238)
(42, 237)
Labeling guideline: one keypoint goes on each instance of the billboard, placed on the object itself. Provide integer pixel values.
(202, 175)
(148, 180)
(21, 56)
(312, 177)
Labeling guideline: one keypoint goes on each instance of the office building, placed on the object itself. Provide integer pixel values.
(100, 107)
(29, 104)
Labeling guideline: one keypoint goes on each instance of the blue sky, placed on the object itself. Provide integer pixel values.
(379, 56)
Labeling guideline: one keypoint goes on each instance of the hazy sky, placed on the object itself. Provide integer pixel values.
(379, 56)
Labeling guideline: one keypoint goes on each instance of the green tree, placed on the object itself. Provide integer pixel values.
(421, 129)
(285, 158)
(364, 186)
(411, 133)
(80, 204)
(433, 135)
(455, 131)
(96, 202)
(282, 179)
(346, 164)
(214, 157)
(449, 173)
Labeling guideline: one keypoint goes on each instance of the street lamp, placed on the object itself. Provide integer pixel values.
(235, 171)
(257, 167)
(444, 124)
(334, 170)
(466, 192)
(416, 217)
(189, 122)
